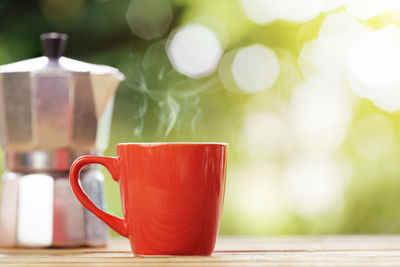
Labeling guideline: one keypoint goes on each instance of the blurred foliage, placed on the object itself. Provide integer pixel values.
(156, 103)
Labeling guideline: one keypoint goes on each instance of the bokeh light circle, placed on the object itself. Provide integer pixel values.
(266, 135)
(264, 11)
(313, 184)
(307, 61)
(149, 19)
(320, 113)
(337, 36)
(194, 50)
(374, 68)
(330, 5)
(251, 69)
(366, 9)
(373, 137)
(257, 11)
(255, 195)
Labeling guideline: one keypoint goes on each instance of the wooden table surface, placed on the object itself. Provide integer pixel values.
(229, 251)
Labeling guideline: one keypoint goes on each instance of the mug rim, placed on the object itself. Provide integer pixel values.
(171, 143)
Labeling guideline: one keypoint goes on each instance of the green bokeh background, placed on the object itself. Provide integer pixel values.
(98, 33)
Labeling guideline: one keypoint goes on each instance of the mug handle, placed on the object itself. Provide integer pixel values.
(111, 164)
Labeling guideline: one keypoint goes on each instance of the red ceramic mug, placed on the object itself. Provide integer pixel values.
(172, 195)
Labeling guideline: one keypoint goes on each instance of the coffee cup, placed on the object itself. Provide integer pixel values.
(172, 195)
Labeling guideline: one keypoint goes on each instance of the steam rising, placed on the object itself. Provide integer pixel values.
(169, 110)
(174, 97)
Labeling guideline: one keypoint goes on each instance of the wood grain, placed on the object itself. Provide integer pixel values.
(229, 251)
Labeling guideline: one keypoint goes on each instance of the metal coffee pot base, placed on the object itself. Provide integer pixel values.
(40, 210)
(52, 110)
